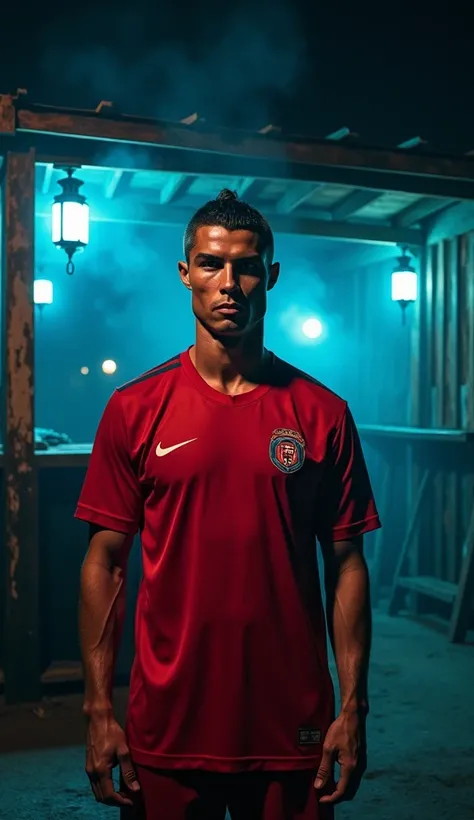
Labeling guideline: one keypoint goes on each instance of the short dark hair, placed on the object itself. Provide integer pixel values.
(230, 212)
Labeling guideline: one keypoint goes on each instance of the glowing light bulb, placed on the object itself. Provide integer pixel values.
(42, 292)
(109, 367)
(404, 286)
(312, 328)
(84, 371)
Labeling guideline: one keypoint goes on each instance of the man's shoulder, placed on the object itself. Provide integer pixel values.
(154, 378)
(311, 388)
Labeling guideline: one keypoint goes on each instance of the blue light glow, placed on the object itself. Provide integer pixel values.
(312, 328)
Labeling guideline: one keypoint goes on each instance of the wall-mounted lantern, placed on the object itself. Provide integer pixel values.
(404, 282)
(70, 218)
(42, 293)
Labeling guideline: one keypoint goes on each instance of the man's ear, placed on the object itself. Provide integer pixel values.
(183, 270)
(273, 275)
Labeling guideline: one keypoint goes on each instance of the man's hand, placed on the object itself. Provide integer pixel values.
(345, 744)
(107, 747)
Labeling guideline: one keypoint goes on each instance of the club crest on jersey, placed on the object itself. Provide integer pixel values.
(287, 450)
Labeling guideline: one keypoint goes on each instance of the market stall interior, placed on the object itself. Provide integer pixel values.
(376, 301)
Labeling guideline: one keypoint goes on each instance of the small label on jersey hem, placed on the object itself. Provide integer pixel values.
(308, 736)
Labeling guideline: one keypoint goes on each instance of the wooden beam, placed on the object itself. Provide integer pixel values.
(340, 134)
(47, 177)
(239, 143)
(174, 187)
(429, 586)
(373, 432)
(77, 455)
(22, 663)
(249, 189)
(454, 221)
(295, 196)
(101, 154)
(245, 186)
(359, 256)
(134, 211)
(246, 154)
(417, 211)
(413, 142)
(118, 183)
(352, 203)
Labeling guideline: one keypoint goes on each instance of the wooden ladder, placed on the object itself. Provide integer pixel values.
(459, 595)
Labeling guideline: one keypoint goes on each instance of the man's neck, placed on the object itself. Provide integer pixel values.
(231, 368)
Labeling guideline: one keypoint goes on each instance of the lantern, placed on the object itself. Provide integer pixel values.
(404, 282)
(42, 292)
(70, 218)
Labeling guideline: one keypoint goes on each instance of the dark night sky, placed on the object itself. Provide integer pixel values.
(387, 72)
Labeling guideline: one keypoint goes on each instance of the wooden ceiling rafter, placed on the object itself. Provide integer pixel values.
(297, 167)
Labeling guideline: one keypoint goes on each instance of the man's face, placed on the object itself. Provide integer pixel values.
(228, 279)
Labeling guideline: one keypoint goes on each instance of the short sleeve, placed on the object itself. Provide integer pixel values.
(111, 496)
(346, 507)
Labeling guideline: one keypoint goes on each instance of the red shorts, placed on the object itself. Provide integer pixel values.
(199, 795)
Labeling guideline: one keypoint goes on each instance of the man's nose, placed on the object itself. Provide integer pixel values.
(229, 280)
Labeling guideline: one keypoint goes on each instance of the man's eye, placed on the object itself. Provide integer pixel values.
(252, 270)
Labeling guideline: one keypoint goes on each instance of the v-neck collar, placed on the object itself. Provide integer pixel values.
(239, 400)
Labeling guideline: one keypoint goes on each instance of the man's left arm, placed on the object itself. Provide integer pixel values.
(350, 627)
(347, 511)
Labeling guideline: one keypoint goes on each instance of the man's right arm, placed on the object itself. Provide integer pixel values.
(101, 619)
(111, 502)
(102, 614)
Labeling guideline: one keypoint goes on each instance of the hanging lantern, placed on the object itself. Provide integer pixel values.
(404, 283)
(70, 223)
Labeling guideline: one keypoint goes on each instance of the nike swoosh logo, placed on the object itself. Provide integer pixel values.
(163, 451)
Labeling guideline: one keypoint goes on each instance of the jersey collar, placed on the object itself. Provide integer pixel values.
(200, 384)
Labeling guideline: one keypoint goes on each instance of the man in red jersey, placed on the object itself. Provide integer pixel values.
(230, 463)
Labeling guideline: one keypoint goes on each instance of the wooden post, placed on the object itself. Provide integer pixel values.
(393, 606)
(463, 603)
(470, 335)
(376, 569)
(452, 409)
(420, 403)
(22, 638)
(440, 333)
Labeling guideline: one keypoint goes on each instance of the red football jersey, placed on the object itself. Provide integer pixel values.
(229, 493)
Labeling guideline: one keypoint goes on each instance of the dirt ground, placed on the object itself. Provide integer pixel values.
(421, 739)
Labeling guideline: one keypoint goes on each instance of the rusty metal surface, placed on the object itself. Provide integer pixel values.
(22, 665)
(7, 114)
